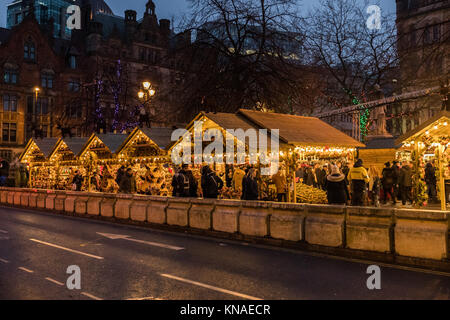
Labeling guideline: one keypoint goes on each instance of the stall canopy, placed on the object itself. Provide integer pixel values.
(68, 149)
(38, 150)
(298, 130)
(432, 135)
(103, 146)
(145, 143)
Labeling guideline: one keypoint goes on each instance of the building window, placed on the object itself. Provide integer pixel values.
(10, 76)
(436, 33)
(30, 104)
(29, 51)
(74, 110)
(74, 86)
(426, 36)
(9, 132)
(42, 106)
(47, 80)
(72, 62)
(9, 103)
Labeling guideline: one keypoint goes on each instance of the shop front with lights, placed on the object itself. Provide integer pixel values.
(429, 142)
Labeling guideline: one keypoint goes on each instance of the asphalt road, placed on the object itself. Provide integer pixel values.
(36, 249)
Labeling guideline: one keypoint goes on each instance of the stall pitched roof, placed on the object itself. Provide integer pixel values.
(76, 145)
(421, 129)
(299, 130)
(160, 136)
(113, 141)
(46, 145)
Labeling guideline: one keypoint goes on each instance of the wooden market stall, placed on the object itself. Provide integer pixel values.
(301, 139)
(65, 160)
(430, 141)
(35, 156)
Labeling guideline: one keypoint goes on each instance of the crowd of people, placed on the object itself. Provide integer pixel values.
(344, 182)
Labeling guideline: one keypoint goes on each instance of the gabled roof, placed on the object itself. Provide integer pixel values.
(160, 136)
(46, 145)
(382, 143)
(297, 130)
(443, 116)
(76, 145)
(112, 140)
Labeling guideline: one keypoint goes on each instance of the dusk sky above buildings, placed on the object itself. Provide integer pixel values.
(169, 9)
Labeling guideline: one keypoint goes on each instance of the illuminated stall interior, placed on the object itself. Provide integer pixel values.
(35, 157)
(430, 141)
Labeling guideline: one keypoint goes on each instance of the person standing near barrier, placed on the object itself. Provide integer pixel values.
(336, 187)
(280, 181)
(358, 178)
(128, 182)
(431, 181)
(396, 186)
(250, 186)
(211, 183)
(405, 183)
(388, 180)
(4, 172)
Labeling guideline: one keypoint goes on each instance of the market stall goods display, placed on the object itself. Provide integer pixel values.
(311, 195)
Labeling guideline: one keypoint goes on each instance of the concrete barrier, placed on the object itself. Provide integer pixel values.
(17, 196)
(156, 211)
(287, 221)
(325, 225)
(32, 200)
(123, 204)
(60, 200)
(138, 209)
(225, 215)
(370, 228)
(93, 204)
(200, 214)
(81, 203)
(69, 203)
(177, 211)
(11, 194)
(4, 196)
(50, 200)
(107, 205)
(422, 234)
(40, 201)
(253, 220)
(25, 199)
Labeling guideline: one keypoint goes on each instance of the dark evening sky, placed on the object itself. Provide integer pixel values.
(169, 8)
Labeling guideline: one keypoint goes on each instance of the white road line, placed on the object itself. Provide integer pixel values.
(145, 298)
(4, 261)
(26, 270)
(90, 296)
(3, 231)
(237, 294)
(55, 281)
(67, 249)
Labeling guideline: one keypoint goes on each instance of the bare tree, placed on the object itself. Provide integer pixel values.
(245, 55)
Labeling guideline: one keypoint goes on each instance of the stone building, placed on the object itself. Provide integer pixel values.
(424, 48)
(53, 86)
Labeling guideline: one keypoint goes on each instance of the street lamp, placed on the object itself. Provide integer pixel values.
(145, 94)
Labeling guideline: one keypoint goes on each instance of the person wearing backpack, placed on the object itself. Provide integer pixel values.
(211, 183)
(388, 180)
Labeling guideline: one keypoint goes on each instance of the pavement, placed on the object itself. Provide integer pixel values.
(120, 262)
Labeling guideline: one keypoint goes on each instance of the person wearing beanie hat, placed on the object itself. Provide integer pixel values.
(336, 187)
(358, 178)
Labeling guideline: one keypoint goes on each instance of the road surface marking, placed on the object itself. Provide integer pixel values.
(4, 261)
(3, 231)
(145, 298)
(237, 294)
(55, 281)
(67, 249)
(90, 296)
(125, 237)
(26, 270)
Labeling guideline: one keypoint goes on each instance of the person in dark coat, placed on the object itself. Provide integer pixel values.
(388, 179)
(211, 183)
(77, 181)
(119, 175)
(250, 186)
(4, 172)
(396, 168)
(184, 183)
(128, 182)
(359, 179)
(310, 177)
(431, 181)
(336, 187)
(405, 183)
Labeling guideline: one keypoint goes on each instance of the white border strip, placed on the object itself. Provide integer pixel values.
(67, 249)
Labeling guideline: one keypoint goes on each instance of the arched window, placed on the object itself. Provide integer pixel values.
(29, 50)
